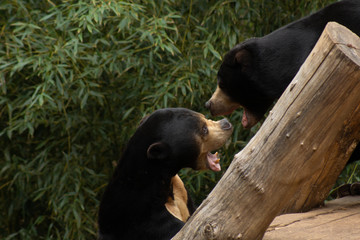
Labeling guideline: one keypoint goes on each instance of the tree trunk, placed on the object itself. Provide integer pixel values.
(297, 155)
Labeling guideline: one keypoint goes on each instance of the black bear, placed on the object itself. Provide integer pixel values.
(256, 72)
(145, 199)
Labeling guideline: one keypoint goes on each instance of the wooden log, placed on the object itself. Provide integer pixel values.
(296, 156)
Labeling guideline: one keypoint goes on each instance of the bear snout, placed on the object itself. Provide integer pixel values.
(208, 104)
(225, 124)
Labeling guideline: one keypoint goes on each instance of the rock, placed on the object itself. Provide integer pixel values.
(338, 219)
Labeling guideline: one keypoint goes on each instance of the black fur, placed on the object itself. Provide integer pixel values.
(256, 72)
(133, 205)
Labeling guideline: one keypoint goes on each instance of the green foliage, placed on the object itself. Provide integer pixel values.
(76, 77)
(349, 175)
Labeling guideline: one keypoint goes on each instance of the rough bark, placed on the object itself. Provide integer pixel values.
(296, 156)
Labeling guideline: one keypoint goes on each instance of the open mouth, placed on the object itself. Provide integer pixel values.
(213, 161)
(248, 119)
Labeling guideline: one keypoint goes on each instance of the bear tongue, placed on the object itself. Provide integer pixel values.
(245, 121)
(248, 119)
(213, 162)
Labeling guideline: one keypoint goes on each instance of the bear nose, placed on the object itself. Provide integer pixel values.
(225, 124)
(208, 104)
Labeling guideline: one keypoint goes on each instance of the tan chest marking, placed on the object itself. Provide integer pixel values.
(178, 206)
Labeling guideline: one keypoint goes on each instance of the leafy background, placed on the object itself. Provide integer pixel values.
(76, 77)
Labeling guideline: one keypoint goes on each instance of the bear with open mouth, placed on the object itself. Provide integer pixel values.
(146, 199)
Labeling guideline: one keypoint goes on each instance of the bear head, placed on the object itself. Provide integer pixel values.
(174, 138)
(239, 85)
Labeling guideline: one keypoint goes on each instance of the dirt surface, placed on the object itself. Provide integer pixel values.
(338, 219)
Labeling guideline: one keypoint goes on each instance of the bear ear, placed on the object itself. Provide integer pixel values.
(144, 119)
(158, 150)
(243, 58)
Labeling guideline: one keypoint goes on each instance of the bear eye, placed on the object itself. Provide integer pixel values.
(205, 130)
